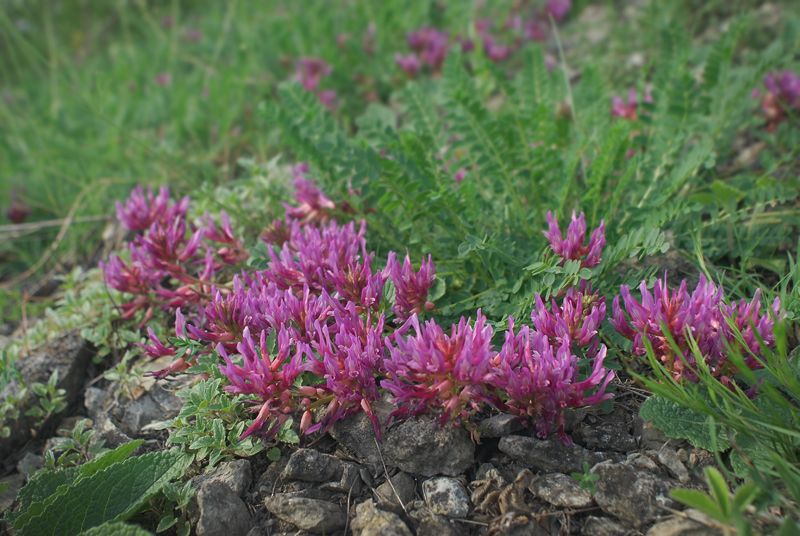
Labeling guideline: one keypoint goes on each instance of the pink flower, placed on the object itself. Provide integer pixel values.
(539, 380)
(409, 63)
(430, 371)
(558, 9)
(703, 314)
(310, 71)
(411, 288)
(572, 247)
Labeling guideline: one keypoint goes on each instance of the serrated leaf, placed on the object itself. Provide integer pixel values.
(113, 494)
(679, 422)
(46, 482)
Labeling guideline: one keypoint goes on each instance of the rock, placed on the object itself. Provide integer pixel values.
(681, 526)
(357, 434)
(499, 426)
(29, 464)
(313, 515)
(634, 496)
(68, 355)
(370, 521)
(9, 487)
(157, 404)
(446, 496)
(561, 490)
(603, 526)
(94, 400)
(669, 459)
(312, 466)
(606, 436)
(645, 461)
(404, 491)
(221, 512)
(431, 524)
(349, 480)
(652, 437)
(107, 431)
(551, 456)
(237, 475)
(422, 447)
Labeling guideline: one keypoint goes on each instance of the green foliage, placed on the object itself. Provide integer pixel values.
(210, 423)
(113, 493)
(76, 448)
(719, 504)
(680, 422)
(586, 479)
(761, 431)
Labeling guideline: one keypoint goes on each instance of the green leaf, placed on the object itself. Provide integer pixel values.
(112, 494)
(698, 500)
(46, 483)
(116, 529)
(274, 454)
(679, 422)
(719, 489)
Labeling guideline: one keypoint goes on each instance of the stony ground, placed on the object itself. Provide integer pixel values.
(421, 479)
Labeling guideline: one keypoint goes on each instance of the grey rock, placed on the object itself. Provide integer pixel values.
(603, 526)
(12, 484)
(29, 464)
(681, 526)
(313, 515)
(348, 481)
(221, 512)
(357, 434)
(606, 436)
(370, 521)
(430, 524)
(645, 462)
(669, 459)
(499, 426)
(94, 400)
(237, 475)
(422, 447)
(446, 496)
(68, 355)
(157, 404)
(652, 437)
(404, 491)
(312, 466)
(634, 496)
(551, 456)
(561, 490)
(107, 431)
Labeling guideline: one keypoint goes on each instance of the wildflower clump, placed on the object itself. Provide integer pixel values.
(628, 109)
(702, 316)
(571, 246)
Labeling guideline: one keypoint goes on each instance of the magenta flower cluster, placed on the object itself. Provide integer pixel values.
(172, 262)
(628, 109)
(533, 376)
(703, 315)
(310, 72)
(573, 247)
(782, 98)
(430, 46)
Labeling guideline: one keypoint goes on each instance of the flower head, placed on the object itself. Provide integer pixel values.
(572, 246)
(539, 380)
(703, 315)
(411, 288)
(310, 71)
(431, 371)
(142, 209)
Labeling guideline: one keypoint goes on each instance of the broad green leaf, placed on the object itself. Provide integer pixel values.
(679, 422)
(113, 494)
(47, 482)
